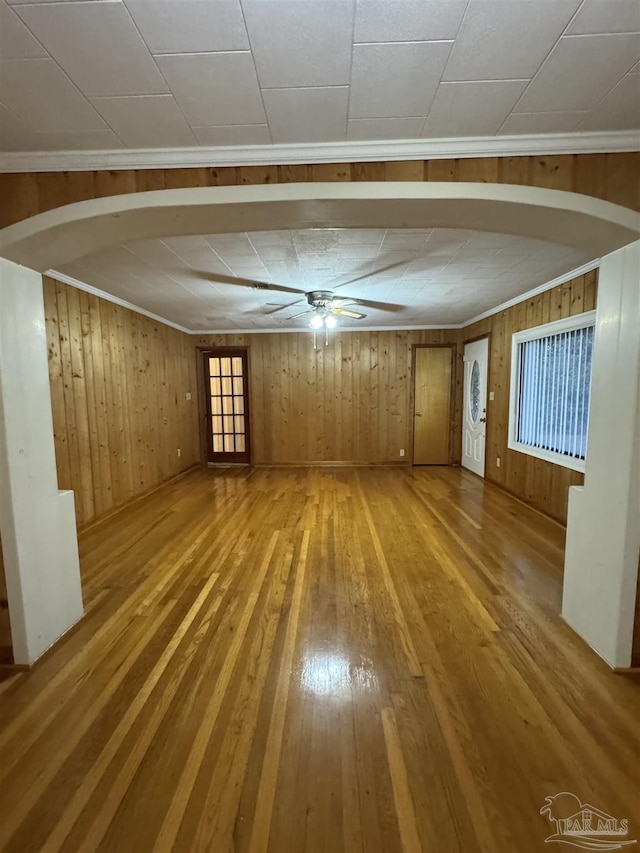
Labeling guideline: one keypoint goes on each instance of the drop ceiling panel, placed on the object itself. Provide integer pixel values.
(503, 39)
(12, 131)
(384, 128)
(39, 93)
(190, 26)
(394, 80)
(461, 109)
(98, 45)
(236, 134)
(606, 16)
(83, 140)
(142, 120)
(570, 79)
(300, 44)
(529, 123)
(307, 115)
(215, 88)
(16, 41)
(443, 273)
(381, 21)
(390, 58)
(619, 109)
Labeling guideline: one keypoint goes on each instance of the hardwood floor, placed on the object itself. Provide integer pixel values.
(289, 660)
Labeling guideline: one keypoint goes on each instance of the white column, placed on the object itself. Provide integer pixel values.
(37, 521)
(603, 527)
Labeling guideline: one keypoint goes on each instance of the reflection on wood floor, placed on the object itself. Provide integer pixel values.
(294, 660)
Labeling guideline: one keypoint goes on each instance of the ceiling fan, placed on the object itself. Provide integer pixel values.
(324, 306)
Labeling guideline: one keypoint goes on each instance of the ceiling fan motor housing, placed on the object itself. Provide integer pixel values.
(319, 298)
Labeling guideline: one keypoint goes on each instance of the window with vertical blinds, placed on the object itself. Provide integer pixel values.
(550, 390)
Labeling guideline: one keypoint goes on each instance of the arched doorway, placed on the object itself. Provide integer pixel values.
(41, 612)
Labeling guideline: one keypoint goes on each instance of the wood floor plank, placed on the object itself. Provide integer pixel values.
(315, 660)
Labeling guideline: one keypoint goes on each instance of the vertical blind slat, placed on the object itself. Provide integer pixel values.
(554, 385)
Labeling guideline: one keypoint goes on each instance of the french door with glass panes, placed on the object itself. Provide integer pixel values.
(225, 372)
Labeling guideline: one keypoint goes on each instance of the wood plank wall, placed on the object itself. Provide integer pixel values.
(539, 483)
(118, 390)
(346, 402)
(613, 177)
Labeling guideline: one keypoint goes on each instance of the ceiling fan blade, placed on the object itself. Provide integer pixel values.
(344, 312)
(340, 303)
(369, 303)
(218, 278)
(280, 307)
(372, 274)
(302, 313)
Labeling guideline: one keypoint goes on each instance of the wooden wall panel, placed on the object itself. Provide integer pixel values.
(539, 483)
(118, 394)
(613, 177)
(346, 402)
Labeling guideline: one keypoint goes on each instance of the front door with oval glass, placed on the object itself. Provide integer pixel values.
(227, 395)
(474, 424)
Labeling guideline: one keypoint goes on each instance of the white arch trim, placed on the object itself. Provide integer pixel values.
(59, 236)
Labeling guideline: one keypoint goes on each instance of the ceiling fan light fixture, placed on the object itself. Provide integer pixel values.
(330, 321)
(316, 321)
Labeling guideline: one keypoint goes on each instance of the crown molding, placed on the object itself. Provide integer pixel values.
(321, 152)
(109, 297)
(561, 279)
(341, 329)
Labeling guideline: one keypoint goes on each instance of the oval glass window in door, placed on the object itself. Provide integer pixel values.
(474, 392)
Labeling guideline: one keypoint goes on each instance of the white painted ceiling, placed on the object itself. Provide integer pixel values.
(107, 74)
(424, 277)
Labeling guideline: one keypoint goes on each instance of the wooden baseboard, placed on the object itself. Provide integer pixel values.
(88, 525)
(516, 497)
(333, 464)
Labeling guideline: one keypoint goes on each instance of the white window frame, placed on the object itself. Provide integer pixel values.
(568, 324)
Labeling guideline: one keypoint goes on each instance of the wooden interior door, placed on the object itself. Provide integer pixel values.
(432, 405)
(227, 394)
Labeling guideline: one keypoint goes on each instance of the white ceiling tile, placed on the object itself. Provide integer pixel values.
(13, 134)
(384, 128)
(307, 115)
(39, 2)
(40, 94)
(529, 123)
(606, 16)
(98, 45)
(214, 88)
(619, 109)
(410, 20)
(16, 42)
(84, 140)
(146, 121)
(503, 39)
(239, 244)
(190, 26)
(395, 80)
(238, 134)
(570, 79)
(300, 43)
(472, 109)
(151, 275)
